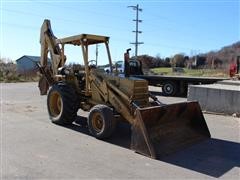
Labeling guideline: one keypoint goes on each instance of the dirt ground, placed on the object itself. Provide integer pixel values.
(34, 148)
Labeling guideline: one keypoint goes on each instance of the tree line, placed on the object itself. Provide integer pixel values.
(213, 60)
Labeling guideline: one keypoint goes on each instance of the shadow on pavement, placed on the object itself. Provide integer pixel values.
(213, 157)
(157, 93)
(121, 136)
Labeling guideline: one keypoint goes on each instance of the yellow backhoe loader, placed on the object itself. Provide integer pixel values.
(157, 129)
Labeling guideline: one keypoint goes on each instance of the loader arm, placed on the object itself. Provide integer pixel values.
(106, 88)
(156, 129)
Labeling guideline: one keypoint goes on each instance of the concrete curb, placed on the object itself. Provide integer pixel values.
(220, 97)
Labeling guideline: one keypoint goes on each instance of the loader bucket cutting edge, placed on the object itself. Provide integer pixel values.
(161, 130)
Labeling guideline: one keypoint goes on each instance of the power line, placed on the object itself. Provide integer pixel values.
(82, 10)
(21, 26)
(36, 29)
(64, 19)
(68, 20)
(60, 19)
(107, 27)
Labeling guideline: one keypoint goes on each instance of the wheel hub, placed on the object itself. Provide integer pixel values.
(168, 88)
(55, 104)
(97, 122)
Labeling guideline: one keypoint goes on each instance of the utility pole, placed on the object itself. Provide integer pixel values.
(96, 53)
(136, 43)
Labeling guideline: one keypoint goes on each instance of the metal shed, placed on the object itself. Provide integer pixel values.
(27, 64)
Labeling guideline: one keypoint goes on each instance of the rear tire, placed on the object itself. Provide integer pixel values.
(169, 88)
(62, 104)
(101, 121)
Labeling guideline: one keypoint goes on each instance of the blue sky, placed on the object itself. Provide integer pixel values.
(169, 27)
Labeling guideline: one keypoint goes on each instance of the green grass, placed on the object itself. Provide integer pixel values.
(162, 70)
(191, 72)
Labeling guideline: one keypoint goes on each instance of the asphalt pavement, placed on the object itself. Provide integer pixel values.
(34, 148)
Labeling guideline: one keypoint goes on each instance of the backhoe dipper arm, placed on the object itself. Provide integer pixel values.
(50, 43)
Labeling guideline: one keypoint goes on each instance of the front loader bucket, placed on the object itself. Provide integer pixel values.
(161, 130)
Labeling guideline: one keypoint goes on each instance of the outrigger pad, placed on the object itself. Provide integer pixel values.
(161, 130)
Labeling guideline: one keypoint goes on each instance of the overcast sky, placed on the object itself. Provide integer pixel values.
(169, 27)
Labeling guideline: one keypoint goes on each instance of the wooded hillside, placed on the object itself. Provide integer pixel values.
(223, 55)
(219, 59)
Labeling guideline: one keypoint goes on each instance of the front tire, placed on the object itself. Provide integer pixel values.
(101, 121)
(62, 104)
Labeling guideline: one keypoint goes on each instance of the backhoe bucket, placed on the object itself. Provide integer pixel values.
(161, 130)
